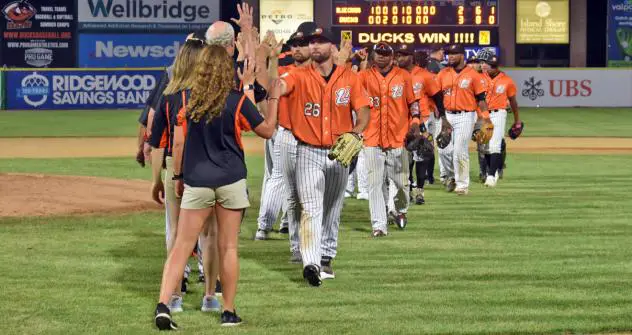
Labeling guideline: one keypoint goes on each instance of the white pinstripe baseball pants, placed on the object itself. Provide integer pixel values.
(463, 126)
(499, 119)
(291, 207)
(383, 164)
(273, 189)
(359, 174)
(321, 185)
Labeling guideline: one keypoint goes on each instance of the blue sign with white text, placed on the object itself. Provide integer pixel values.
(128, 50)
(83, 89)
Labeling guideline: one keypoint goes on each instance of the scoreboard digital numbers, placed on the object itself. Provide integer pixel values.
(417, 22)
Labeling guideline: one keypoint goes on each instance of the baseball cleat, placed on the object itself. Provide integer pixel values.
(401, 221)
(175, 304)
(311, 273)
(284, 230)
(419, 198)
(296, 257)
(378, 233)
(490, 181)
(218, 288)
(261, 235)
(431, 180)
(210, 304)
(326, 271)
(450, 185)
(162, 318)
(461, 191)
(348, 195)
(230, 319)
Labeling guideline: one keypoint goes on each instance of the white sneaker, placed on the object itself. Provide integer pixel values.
(461, 191)
(175, 304)
(348, 195)
(490, 181)
(261, 235)
(211, 304)
(362, 196)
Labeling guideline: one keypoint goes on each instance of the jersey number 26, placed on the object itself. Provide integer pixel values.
(312, 109)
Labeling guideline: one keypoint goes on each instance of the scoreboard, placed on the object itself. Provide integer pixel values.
(417, 22)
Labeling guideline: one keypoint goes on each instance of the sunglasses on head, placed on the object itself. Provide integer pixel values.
(383, 49)
(196, 40)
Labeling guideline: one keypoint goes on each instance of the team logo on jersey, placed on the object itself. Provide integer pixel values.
(343, 96)
(465, 83)
(417, 87)
(397, 91)
(500, 89)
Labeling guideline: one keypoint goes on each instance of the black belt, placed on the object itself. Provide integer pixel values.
(457, 112)
(495, 110)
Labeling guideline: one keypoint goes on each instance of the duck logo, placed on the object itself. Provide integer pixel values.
(34, 89)
(19, 14)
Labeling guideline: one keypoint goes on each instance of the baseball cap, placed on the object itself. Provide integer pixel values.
(321, 33)
(455, 49)
(304, 30)
(383, 48)
(297, 38)
(404, 49)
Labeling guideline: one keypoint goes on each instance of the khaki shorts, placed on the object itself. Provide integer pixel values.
(233, 196)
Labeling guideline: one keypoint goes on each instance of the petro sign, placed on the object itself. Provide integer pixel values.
(573, 88)
(93, 89)
(128, 50)
(147, 15)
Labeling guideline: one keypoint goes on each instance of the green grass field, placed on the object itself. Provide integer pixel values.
(547, 251)
(591, 122)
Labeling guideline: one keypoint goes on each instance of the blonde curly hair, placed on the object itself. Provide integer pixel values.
(214, 79)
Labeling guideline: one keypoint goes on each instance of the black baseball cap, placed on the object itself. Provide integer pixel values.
(455, 49)
(297, 38)
(304, 30)
(404, 49)
(321, 34)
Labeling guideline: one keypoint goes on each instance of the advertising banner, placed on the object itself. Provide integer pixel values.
(283, 17)
(81, 89)
(128, 50)
(147, 15)
(1, 90)
(36, 34)
(542, 22)
(573, 88)
(620, 33)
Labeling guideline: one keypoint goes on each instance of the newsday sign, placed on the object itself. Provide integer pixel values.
(147, 15)
(128, 50)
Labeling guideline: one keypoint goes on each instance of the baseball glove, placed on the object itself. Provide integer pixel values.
(516, 130)
(421, 147)
(445, 136)
(485, 134)
(346, 148)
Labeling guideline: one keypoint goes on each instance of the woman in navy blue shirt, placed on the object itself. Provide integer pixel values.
(214, 170)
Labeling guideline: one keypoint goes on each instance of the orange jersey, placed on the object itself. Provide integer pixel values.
(460, 89)
(499, 90)
(425, 85)
(391, 97)
(283, 113)
(320, 110)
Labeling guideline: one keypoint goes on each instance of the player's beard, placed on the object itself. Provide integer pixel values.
(405, 62)
(456, 61)
(321, 57)
(300, 58)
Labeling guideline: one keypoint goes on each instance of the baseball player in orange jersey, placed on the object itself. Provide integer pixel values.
(394, 103)
(463, 92)
(287, 142)
(324, 96)
(500, 89)
(431, 101)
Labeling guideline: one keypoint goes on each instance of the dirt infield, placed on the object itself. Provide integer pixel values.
(44, 195)
(124, 146)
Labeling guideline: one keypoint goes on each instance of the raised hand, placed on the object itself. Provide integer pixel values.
(247, 75)
(245, 16)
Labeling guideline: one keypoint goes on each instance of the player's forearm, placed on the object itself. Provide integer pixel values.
(482, 104)
(267, 128)
(362, 120)
(415, 113)
(157, 156)
(141, 136)
(150, 120)
(178, 149)
(514, 108)
(438, 100)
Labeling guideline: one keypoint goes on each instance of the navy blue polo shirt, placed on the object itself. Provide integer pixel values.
(155, 97)
(213, 152)
(165, 119)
